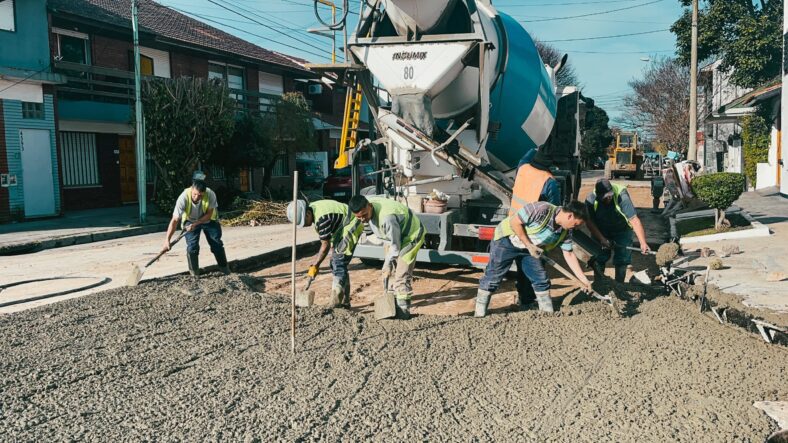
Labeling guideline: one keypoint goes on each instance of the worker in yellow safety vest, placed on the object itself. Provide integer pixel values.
(339, 232)
(534, 182)
(613, 221)
(196, 210)
(395, 224)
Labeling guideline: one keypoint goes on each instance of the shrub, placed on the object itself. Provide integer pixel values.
(756, 137)
(719, 191)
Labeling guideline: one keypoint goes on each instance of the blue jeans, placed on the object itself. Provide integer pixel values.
(339, 264)
(213, 233)
(502, 255)
(621, 255)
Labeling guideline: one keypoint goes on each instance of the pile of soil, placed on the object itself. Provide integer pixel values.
(177, 360)
(667, 253)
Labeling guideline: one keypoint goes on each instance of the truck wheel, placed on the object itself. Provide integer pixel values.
(608, 170)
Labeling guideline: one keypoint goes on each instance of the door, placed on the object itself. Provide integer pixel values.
(38, 184)
(128, 170)
(243, 183)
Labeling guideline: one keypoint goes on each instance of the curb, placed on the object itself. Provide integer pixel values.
(79, 239)
(758, 230)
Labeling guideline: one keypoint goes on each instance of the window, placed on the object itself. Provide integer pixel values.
(72, 46)
(281, 167)
(217, 172)
(270, 84)
(32, 110)
(232, 76)
(79, 159)
(7, 21)
(146, 64)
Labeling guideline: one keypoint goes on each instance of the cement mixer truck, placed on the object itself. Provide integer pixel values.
(459, 95)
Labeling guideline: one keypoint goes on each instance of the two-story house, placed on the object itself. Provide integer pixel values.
(91, 43)
(29, 174)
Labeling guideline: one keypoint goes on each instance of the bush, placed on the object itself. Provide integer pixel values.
(756, 137)
(719, 190)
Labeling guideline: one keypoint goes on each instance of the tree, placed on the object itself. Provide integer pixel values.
(597, 136)
(552, 56)
(291, 129)
(251, 145)
(186, 119)
(719, 190)
(746, 37)
(659, 103)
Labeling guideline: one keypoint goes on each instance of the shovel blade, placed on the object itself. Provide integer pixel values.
(305, 299)
(135, 276)
(385, 307)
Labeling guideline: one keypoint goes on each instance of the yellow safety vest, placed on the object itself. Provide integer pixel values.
(617, 189)
(504, 229)
(346, 238)
(204, 202)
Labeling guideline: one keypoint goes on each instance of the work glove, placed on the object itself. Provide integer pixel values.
(534, 250)
(312, 272)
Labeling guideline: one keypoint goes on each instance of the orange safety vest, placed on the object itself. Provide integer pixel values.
(527, 186)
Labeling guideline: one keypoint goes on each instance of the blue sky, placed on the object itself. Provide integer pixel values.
(603, 65)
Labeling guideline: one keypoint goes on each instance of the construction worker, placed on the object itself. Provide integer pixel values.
(339, 232)
(613, 220)
(196, 210)
(534, 229)
(393, 223)
(534, 182)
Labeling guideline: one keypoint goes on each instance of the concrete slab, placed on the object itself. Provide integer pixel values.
(777, 410)
(115, 258)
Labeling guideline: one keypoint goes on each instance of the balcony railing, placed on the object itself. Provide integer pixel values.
(84, 82)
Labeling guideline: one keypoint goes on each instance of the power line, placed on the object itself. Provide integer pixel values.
(592, 13)
(604, 36)
(622, 52)
(530, 5)
(273, 29)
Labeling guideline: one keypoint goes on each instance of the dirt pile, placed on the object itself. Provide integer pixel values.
(667, 253)
(178, 360)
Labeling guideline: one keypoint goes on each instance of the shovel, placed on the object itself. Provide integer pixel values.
(632, 248)
(385, 306)
(610, 299)
(136, 273)
(305, 298)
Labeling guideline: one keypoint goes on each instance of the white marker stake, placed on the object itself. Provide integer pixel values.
(293, 264)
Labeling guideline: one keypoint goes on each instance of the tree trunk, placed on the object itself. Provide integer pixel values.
(719, 219)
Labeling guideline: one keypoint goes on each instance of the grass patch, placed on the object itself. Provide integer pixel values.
(696, 227)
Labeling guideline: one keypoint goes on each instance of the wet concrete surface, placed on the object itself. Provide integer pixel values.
(182, 361)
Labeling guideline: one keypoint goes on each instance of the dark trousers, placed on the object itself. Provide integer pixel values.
(621, 255)
(502, 254)
(213, 233)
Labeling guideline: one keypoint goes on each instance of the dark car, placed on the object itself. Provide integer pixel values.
(310, 173)
(338, 186)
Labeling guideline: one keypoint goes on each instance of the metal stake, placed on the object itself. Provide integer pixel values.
(293, 265)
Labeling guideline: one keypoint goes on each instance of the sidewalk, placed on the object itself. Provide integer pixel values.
(78, 227)
(758, 276)
(114, 259)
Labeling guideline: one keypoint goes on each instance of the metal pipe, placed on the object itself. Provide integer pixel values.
(139, 124)
(692, 152)
(293, 264)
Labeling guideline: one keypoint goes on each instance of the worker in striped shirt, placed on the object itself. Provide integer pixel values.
(524, 236)
(339, 232)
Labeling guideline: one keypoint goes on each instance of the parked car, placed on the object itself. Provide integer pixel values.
(310, 173)
(338, 186)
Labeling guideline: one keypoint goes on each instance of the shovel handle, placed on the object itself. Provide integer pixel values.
(632, 248)
(571, 276)
(172, 243)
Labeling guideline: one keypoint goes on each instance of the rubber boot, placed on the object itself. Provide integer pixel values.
(621, 273)
(403, 306)
(599, 269)
(336, 296)
(545, 302)
(346, 295)
(193, 259)
(482, 303)
(221, 261)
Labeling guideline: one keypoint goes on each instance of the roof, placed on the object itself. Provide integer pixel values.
(754, 97)
(166, 22)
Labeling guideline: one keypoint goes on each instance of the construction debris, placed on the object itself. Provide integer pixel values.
(729, 250)
(255, 213)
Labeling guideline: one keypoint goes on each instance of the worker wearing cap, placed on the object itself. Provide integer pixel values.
(339, 232)
(613, 221)
(523, 237)
(534, 182)
(393, 223)
(196, 210)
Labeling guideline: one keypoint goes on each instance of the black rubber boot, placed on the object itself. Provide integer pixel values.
(621, 273)
(193, 258)
(221, 261)
(403, 308)
(599, 270)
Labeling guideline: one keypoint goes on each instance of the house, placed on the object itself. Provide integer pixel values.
(29, 173)
(90, 42)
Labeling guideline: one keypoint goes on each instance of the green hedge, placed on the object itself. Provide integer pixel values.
(719, 190)
(756, 137)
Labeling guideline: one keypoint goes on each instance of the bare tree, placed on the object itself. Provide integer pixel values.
(551, 56)
(659, 103)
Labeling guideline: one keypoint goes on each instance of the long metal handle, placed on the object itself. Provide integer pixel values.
(571, 276)
(172, 243)
(632, 248)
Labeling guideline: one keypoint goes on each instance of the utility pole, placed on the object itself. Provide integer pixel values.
(140, 126)
(692, 152)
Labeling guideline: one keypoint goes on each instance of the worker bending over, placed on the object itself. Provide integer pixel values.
(393, 223)
(197, 211)
(534, 182)
(523, 237)
(339, 232)
(613, 221)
